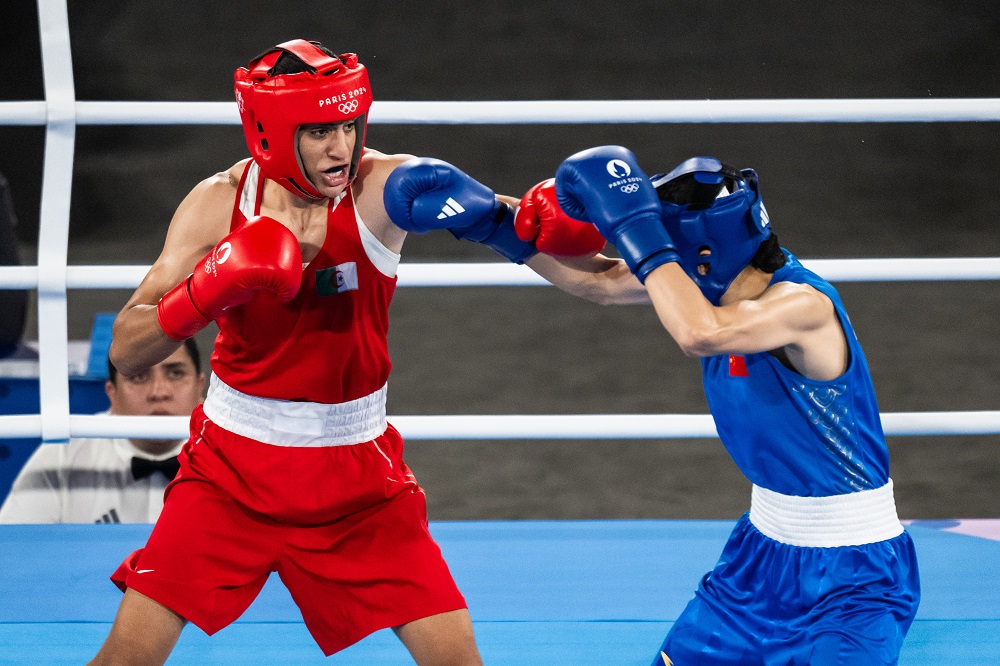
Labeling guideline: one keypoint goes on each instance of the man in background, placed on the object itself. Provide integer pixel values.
(107, 480)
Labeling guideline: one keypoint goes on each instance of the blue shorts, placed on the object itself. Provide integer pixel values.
(771, 603)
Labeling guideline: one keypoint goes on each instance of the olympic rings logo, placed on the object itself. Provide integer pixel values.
(348, 107)
(631, 188)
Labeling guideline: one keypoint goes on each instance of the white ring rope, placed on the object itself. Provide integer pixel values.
(511, 275)
(53, 230)
(550, 111)
(516, 426)
(61, 113)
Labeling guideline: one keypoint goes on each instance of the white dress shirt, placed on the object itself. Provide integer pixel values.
(85, 481)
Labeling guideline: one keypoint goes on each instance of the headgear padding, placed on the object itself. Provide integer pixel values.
(730, 227)
(273, 107)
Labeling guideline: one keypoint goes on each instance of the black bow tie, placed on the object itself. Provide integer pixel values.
(143, 467)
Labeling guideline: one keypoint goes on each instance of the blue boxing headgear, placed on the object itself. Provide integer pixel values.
(730, 226)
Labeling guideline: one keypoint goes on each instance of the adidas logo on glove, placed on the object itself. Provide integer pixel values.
(451, 208)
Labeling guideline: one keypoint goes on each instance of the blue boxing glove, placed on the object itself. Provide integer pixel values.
(425, 194)
(605, 186)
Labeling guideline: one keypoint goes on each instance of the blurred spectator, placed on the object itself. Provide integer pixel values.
(105, 480)
(13, 304)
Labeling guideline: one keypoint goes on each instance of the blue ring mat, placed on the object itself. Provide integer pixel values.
(540, 592)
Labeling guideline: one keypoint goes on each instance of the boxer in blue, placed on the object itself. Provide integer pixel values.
(819, 571)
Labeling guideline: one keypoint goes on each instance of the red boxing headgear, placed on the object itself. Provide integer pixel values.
(273, 107)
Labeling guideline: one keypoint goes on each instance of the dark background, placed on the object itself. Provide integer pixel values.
(833, 190)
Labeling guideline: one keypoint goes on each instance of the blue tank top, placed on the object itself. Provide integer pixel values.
(794, 435)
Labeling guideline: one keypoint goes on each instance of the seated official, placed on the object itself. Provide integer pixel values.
(106, 480)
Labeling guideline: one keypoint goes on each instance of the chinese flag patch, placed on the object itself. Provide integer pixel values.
(737, 366)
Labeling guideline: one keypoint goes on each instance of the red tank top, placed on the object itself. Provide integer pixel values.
(329, 344)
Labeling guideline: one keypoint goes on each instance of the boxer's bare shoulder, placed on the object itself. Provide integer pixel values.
(368, 188)
(204, 215)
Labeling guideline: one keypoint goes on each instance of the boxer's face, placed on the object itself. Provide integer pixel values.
(325, 153)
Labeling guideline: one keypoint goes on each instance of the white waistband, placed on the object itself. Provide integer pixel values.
(854, 519)
(289, 423)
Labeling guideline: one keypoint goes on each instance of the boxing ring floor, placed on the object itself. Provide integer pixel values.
(540, 592)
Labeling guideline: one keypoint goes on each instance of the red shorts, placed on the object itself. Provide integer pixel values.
(345, 527)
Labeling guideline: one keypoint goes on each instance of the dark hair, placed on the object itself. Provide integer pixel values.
(769, 256)
(192, 349)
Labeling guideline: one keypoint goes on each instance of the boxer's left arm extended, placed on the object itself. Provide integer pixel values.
(426, 194)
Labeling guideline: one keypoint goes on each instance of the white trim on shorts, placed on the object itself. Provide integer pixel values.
(854, 519)
(290, 423)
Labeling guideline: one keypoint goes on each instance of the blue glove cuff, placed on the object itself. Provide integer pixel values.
(498, 233)
(654, 261)
(644, 245)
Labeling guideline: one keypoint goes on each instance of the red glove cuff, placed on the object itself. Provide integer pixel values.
(178, 316)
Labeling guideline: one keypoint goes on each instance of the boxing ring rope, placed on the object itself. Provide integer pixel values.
(53, 233)
(548, 112)
(60, 113)
(511, 275)
(517, 426)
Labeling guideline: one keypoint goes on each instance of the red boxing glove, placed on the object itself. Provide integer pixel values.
(261, 255)
(540, 219)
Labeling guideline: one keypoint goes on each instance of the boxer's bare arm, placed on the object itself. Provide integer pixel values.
(200, 222)
(368, 188)
(600, 279)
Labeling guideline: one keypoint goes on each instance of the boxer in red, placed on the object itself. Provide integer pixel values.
(291, 466)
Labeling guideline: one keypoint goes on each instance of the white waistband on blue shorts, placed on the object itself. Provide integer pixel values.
(854, 519)
(290, 423)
